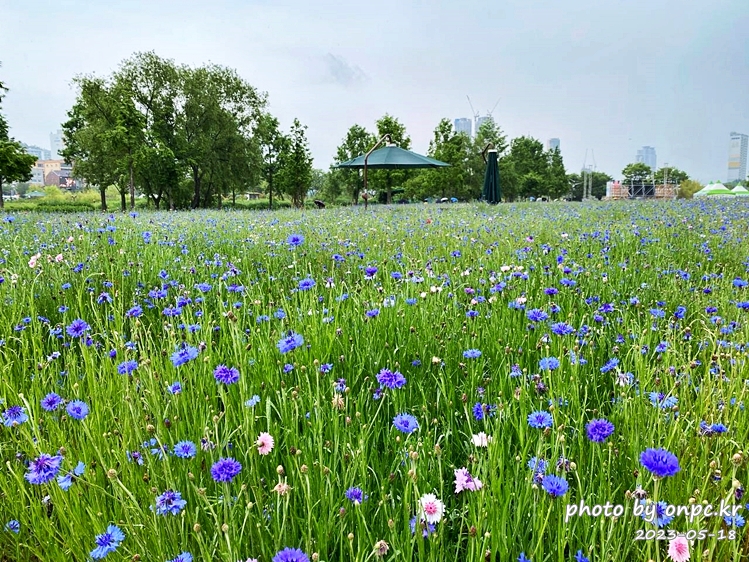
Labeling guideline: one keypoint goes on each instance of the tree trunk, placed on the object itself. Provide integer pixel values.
(171, 200)
(196, 183)
(2, 200)
(123, 199)
(132, 187)
(103, 194)
(270, 191)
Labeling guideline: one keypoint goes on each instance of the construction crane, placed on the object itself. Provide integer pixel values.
(475, 115)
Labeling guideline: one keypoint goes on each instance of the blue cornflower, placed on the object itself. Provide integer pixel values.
(66, 481)
(540, 419)
(287, 368)
(523, 558)
(610, 365)
(340, 385)
(203, 287)
(326, 368)
(170, 502)
(660, 462)
(426, 528)
(279, 314)
(306, 284)
(185, 450)
(658, 399)
(183, 557)
(106, 543)
(370, 271)
(77, 328)
(661, 347)
(562, 329)
(175, 388)
(599, 430)
(127, 367)
(15, 415)
(104, 298)
(13, 526)
(225, 469)
(372, 313)
(548, 363)
(290, 555)
(295, 240)
(77, 409)
(252, 402)
(659, 518)
(184, 354)
(226, 375)
(579, 557)
(290, 342)
(478, 411)
(405, 423)
(43, 468)
(356, 495)
(555, 486)
(472, 354)
(391, 379)
(537, 465)
(536, 315)
(734, 521)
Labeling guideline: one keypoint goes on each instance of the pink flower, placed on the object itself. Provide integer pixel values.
(34, 259)
(58, 258)
(464, 481)
(431, 508)
(678, 549)
(481, 439)
(265, 443)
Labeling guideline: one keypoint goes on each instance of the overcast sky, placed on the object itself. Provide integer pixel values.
(604, 76)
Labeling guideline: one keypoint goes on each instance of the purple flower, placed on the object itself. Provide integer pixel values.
(290, 555)
(77, 409)
(556, 486)
(660, 462)
(13, 526)
(391, 379)
(290, 342)
(225, 469)
(226, 375)
(536, 315)
(43, 469)
(599, 430)
(405, 423)
(77, 328)
(356, 495)
(15, 415)
(170, 502)
(370, 271)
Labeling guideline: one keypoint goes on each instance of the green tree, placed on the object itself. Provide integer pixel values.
(295, 173)
(273, 143)
(637, 173)
(598, 185)
(688, 188)
(384, 180)
(358, 141)
(488, 132)
(674, 176)
(556, 180)
(15, 163)
(531, 167)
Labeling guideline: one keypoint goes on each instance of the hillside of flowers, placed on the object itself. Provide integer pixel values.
(420, 383)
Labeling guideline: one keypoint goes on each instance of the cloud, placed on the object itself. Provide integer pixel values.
(339, 71)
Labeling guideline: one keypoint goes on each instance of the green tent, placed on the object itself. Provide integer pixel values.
(714, 190)
(491, 192)
(740, 191)
(392, 157)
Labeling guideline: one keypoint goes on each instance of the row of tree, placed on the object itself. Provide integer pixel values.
(185, 136)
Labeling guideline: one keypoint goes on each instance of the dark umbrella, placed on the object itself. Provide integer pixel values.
(490, 192)
(389, 157)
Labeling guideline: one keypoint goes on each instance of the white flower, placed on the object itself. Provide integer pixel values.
(432, 509)
(481, 439)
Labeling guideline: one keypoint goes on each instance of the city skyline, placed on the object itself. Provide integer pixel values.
(737, 157)
(642, 87)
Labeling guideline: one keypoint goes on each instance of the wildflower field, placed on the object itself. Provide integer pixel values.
(419, 383)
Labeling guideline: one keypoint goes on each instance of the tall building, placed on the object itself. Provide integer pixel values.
(463, 125)
(553, 144)
(40, 153)
(480, 121)
(737, 152)
(56, 144)
(646, 155)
